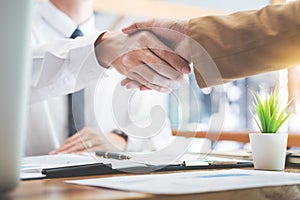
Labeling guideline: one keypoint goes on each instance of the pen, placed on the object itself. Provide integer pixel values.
(206, 163)
(117, 156)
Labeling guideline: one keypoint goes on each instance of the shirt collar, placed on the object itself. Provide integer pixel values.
(62, 22)
(88, 27)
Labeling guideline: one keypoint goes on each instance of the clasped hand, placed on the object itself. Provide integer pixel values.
(146, 61)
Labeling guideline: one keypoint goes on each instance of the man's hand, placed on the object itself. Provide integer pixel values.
(173, 33)
(88, 140)
(143, 58)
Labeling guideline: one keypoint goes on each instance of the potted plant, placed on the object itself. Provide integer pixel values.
(269, 146)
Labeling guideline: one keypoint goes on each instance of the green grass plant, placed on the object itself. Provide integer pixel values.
(270, 116)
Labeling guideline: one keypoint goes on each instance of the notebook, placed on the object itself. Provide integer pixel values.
(292, 159)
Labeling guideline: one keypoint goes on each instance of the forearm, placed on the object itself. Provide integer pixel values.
(248, 43)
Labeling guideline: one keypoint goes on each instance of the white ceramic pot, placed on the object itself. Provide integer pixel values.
(268, 150)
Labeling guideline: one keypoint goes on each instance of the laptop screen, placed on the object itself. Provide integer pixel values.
(15, 70)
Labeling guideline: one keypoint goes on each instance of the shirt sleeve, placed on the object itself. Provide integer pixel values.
(63, 66)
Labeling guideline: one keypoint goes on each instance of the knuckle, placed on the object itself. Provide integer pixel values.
(125, 60)
(127, 63)
(145, 39)
(148, 56)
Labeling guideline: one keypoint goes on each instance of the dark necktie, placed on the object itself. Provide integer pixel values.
(76, 103)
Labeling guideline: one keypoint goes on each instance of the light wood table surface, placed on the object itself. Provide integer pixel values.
(46, 189)
(293, 138)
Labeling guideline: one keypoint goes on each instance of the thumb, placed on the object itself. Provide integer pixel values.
(143, 25)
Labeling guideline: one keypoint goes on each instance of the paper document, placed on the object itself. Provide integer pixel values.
(169, 159)
(195, 182)
(31, 175)
(32, 166)
(154, 158)
(36, 163)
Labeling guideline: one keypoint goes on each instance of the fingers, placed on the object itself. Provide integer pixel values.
(158, 26)
(144, 88)
(174, 60)
(72, 144)
(88, 140)
(164, 56)
(147, 76)
(131, 84)
(174, 33)
(143, 77)
(84, 140)
(164, 62)
(152, 72)
(137, 26)
(158, 65)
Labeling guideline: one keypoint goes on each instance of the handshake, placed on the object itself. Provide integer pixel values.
(153, 55)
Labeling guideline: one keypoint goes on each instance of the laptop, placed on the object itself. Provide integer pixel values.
(15, 70)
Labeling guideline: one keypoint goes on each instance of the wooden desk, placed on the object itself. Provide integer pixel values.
(56, 189)
(293, 139)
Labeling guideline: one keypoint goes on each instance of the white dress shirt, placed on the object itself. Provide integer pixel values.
(62, 65)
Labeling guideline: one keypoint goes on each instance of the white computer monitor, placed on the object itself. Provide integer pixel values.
(15, 70)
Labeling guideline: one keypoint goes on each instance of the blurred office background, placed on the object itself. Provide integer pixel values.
(236, 96)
